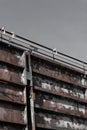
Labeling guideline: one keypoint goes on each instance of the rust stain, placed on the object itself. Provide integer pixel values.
(56, 100)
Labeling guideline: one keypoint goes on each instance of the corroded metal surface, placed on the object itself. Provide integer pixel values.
(58, 73)
(13, 105)
(60, 97)
(60, 105)
(11, 93)
(62, 122)
(36, 93)
(60, 88)
(11, 113)
(9, 74)
(11, 55)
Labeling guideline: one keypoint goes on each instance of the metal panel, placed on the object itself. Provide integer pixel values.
(38, 90)
(11, 55)
(57, 72)
(9, 74)
(13, 104)
(12, 113)
(59, 122)
(12, 93)
(60, 97)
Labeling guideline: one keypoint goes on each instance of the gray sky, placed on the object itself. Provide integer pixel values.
(53, 23)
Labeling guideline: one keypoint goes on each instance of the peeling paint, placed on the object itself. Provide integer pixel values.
(56, 72)
(63, 122)
(59, 87)
(46, 86)
(56, 103)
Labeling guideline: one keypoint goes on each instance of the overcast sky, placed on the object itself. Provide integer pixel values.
(53, 23)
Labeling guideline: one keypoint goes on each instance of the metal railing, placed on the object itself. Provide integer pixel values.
(15, 40)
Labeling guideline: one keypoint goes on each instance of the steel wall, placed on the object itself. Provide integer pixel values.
(13, 105)
(60, 95)
(38, 93)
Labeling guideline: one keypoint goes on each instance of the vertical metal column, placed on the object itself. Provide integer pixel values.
(30, 94)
